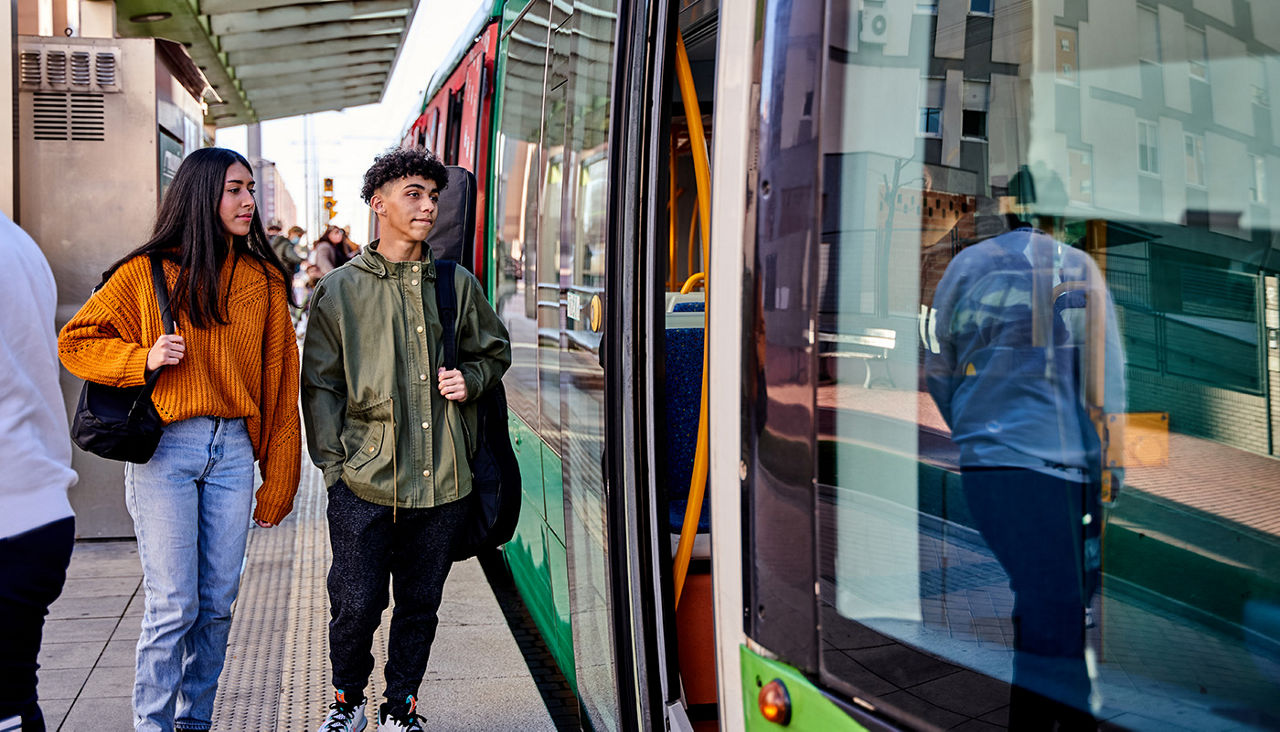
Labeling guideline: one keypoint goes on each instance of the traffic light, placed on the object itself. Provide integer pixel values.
(329, 202)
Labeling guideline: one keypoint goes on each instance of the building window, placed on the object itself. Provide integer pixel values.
(1258, 83)
(927, 6)
(1197, 54)
(1258, 186)
(1148, 147)
(974, 124)
(1066, 55)
(1195, 159)
(1148, 35)
(931, 121)
(1081, 165)
(981, 7)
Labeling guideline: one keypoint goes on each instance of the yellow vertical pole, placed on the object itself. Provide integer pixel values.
(702, 173)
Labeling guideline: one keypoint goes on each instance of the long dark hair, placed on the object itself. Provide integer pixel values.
(342, 251)
(189, 232)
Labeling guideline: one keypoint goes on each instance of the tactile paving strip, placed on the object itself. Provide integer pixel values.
(277, 671)
(249, 690)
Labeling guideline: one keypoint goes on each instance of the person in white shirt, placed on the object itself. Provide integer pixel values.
(37, 526)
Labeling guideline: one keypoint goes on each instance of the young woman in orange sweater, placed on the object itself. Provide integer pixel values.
(228, 395)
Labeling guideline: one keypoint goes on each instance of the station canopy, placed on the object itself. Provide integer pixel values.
(267, 59)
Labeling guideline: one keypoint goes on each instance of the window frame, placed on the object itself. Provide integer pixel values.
(1153, 131)
(922, 130)
(1203, 62)
(1085, 156)
(1196, 138)
(1074, 78)
(1155, 16)
(967, 136)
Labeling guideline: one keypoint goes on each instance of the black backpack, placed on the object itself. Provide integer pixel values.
(495, 474)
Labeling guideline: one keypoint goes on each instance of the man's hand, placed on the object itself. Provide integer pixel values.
(452, 386)
(168, 351)
(263, 524)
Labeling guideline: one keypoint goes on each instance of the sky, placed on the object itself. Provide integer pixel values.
(347, 141)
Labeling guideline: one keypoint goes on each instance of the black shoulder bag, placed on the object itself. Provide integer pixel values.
(122, 423)
(495, 475)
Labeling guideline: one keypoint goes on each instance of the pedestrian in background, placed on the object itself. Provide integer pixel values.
(37, 529)
(228, 395)
(285, 247)
(330, 251)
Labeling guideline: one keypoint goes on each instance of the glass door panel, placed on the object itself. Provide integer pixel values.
(586, 42)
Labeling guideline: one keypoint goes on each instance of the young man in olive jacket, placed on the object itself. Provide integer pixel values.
(392, 431)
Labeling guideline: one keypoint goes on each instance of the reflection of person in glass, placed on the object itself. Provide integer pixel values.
(1029, 357)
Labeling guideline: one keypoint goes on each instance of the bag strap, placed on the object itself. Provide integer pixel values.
(447, 306)
(166, 317)
(162, 294)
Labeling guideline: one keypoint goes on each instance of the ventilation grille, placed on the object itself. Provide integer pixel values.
(55, 66)
(88, 117)
(46, 67)
(105, 69)
(75, 116)
(80, 68)
(29, 69)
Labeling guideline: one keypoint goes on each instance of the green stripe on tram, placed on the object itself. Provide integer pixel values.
(810, 708)
(536, 555)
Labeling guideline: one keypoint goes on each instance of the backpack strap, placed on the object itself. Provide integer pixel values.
(447, 306)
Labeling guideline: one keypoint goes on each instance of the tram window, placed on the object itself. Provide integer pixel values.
(1046, 484)
(453, 126)
(518, 154)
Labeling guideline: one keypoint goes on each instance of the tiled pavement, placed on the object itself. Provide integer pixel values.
(86, 662)
(276, 674)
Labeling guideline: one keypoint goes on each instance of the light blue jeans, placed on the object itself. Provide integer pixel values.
(191, 506)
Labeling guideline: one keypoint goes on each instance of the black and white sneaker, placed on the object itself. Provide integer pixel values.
(344, 716)
(400, 717)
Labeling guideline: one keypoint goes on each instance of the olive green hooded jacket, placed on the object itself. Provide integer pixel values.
(373, 412)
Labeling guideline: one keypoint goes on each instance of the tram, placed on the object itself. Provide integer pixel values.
(716, 233)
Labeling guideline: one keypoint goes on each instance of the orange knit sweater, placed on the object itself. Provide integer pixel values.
(246, 368)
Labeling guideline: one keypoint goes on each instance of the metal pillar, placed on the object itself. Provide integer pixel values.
(254, 133)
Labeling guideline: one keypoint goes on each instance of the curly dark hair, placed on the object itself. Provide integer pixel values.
(401, 162)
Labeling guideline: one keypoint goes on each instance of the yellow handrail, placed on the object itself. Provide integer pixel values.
(702, 174)
(697, 278)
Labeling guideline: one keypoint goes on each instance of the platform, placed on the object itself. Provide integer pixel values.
(276, 675)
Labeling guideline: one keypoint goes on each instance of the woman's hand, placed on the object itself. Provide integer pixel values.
(452, 385)
(168, 351)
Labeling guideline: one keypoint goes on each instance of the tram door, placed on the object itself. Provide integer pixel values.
(572, 275)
